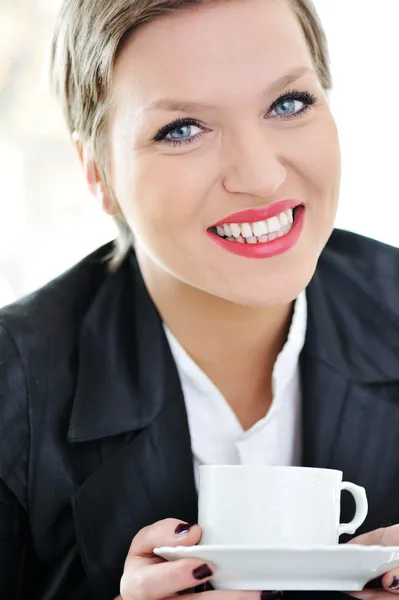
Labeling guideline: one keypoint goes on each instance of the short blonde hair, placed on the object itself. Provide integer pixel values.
(88, 36)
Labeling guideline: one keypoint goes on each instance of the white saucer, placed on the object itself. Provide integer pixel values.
(343, 568)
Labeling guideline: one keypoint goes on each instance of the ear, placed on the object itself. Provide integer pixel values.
(93, 179)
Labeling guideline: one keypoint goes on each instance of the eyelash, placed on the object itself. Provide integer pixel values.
(308, 99)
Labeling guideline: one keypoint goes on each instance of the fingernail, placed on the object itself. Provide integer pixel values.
(202, 572)
(395, 584)
(374, 584)
(271, 595)
(183, 528)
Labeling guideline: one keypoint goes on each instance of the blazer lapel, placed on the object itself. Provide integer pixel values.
(325, 381)
(146, 469)
(350, 408)
(366, 449)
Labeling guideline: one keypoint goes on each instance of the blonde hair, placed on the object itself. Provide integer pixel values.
(88, 36)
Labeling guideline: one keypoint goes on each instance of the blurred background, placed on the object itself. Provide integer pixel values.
(48, 220)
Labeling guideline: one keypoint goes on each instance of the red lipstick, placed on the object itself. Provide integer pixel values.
(268, 249)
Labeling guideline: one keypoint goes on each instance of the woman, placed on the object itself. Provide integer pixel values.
(239, 329)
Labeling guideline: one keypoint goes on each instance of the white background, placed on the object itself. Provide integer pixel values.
(363, 37)
(364, 46)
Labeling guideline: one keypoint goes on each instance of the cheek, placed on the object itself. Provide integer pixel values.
(162, 194)
(321, 160)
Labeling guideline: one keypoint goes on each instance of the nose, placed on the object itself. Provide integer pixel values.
(254, 167)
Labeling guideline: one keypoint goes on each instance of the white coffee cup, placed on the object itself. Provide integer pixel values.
(274, 506)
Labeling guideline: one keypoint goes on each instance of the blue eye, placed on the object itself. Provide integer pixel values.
(292, 104)
(288, 108)
(180, 133)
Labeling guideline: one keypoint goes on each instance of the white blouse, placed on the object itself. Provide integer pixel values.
(217, 437)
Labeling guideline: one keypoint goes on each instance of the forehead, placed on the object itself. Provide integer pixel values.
(211, 51)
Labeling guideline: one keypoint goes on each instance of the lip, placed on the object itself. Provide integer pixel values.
(267, 249)
(253, 215)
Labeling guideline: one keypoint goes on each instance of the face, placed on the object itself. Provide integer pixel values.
(216, 112)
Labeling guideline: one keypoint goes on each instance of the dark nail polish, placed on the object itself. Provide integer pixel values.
(395, 584)
(204, 587)
(374, 584)
(208, 587)
(202, 572)
(271, 595)
(183, 528)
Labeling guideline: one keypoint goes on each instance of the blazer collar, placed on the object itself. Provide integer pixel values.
(121, 366)
(350, 331)
(123, 345)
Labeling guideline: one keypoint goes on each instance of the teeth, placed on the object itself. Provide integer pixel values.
(246, 230)
(260, 228)
(220, 231)
(227, 230)
(283, 219)
(261, 231)
(235, 230)
(273, 224)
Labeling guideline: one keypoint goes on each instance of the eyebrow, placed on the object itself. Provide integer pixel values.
(174, 105)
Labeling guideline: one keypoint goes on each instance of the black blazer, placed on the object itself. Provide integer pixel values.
(94, 441)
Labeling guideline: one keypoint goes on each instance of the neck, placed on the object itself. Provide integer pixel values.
(236, 346)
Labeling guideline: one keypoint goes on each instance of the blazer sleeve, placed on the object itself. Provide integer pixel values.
(16, 556)
(15, 550)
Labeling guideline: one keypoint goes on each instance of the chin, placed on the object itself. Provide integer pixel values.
(272, 290)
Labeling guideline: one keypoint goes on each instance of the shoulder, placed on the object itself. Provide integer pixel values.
(353, 314)
(357, 269)
(362, 252)
(59, 304)
(38, 338)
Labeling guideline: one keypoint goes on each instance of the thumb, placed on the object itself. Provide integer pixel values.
(373, 538)
(386, 536)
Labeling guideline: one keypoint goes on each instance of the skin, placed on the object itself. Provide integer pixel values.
(148, 577)
(220, 306)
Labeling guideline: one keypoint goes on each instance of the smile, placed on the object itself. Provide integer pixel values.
(258, 232)
(261, 233)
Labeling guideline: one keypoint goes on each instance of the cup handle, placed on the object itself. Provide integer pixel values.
(359, 494)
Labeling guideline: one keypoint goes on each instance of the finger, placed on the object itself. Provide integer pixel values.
(155, 582)
(391, 536)
(276, 595)
(169, 532)
(386, 536)
(390, 581)
(373, 538)
(372, 595)
(228, 595)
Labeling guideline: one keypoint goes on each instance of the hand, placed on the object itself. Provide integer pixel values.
(149, 577)
(381, 537)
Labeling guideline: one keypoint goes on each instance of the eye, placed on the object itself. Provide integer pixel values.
(288, 108)
(291, 105)
(181, 131)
